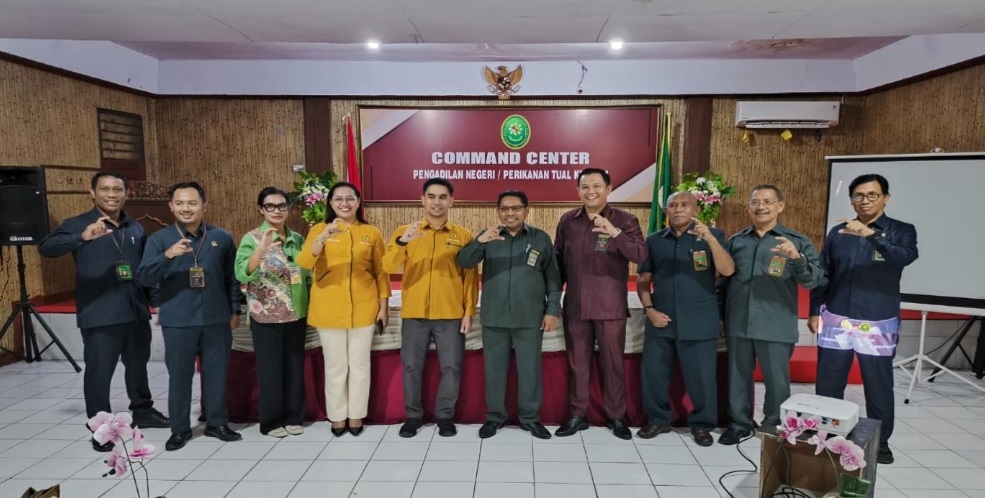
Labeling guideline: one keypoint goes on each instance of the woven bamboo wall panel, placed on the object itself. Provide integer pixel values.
(947, 112)
(797, 167)
(234, 148)
(51, 119)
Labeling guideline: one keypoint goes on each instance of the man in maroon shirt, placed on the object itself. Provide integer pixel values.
(594, 245)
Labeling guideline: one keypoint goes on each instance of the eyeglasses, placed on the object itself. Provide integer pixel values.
(510, 209)
(340, 200)
(764, 202)
(871, 196)
(282, 207)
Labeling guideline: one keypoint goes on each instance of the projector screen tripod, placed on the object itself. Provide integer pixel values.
(25, 309)
(920, 358)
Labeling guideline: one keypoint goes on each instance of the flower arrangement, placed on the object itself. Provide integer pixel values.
(710, 190)
(312, 190)
(851, 456)
(117, 429)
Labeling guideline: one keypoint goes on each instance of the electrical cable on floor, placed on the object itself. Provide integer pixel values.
(782, 492)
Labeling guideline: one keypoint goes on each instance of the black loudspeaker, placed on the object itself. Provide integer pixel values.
(23, 206)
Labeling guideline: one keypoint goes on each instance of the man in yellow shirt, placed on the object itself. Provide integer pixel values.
(438, 299)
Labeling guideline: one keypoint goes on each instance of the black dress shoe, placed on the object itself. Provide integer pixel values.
(702, 437)
(356, 430)
(619, 429)
(222, 433)
(734, 436)
(178, 440)
(410, 427)
(150, 419)
(339, 431)
(446, 428)
(102, 448)
(536, 430)
(571, 426)
(885, 455)
(650, 431)
(489, 429)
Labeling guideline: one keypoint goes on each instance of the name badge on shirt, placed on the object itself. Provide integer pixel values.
(602, 243)
(876, 256)
(777, 265)
(700, 259)
(532, 257)
(295, 275)
(196, 277)
(124, 272)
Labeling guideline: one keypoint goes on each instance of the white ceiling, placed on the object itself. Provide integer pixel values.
(489, 29)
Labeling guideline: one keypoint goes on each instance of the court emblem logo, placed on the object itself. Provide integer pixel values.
(516, 132)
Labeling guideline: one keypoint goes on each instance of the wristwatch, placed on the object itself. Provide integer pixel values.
(875, 233)
(648, 307)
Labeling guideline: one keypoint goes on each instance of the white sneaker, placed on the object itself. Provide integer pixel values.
(278, 432)
(295, 430)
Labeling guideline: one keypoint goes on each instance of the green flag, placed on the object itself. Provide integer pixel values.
(661, 182)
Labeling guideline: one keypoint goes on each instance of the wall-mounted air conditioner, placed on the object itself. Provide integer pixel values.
(757, 114)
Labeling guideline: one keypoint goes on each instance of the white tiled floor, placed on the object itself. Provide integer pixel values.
(939, 445)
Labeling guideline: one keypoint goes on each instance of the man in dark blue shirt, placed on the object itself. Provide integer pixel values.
(192, 264)
(856, 308)
(112, 308)
(676, 285)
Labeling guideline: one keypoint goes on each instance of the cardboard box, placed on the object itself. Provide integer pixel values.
(782, 463)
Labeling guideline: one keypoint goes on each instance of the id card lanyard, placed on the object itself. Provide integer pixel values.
(196, 274)
(124, 270)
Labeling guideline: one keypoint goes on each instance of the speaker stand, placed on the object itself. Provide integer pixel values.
(25, 309)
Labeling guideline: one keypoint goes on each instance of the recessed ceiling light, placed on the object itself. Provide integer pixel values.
(616, 44)
(373, 44)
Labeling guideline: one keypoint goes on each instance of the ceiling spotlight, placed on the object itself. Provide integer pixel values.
(373, 44)
(616, 44)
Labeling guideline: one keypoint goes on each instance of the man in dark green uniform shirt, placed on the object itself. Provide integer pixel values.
(676, 285)
(521, 293)
(760, 308)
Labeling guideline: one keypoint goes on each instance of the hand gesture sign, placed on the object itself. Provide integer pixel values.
(491, 233)
(605, 226)
(413, 232)
(267, 241)
(183, 246)
(855, 227)
(96, 230)
(330, 230)
(700, 230)
(786, 248)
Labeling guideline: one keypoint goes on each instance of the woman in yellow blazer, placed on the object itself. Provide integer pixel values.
(348, 299)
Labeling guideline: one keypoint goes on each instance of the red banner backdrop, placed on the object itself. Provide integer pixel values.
(485, 151)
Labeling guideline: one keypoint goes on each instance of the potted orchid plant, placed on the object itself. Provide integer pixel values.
(311, 190)
(851, 457)
(710, 190)
(116, 429)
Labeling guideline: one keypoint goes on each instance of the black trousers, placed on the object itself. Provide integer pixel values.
(279, 349)
(833, 366)
(102, 349)
(699, 367)
(182, 345)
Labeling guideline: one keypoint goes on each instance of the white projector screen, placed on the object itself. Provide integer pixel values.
(943, 195)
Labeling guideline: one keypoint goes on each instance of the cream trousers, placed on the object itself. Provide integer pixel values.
(346, 371)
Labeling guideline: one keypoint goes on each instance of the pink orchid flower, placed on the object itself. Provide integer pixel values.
(140, 448)
(114, 429)
(117, 460)
(852, 457)
(811, 423)
(820, 441)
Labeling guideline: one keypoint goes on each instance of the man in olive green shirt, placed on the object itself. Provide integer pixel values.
(521, 294)
(760, 308)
